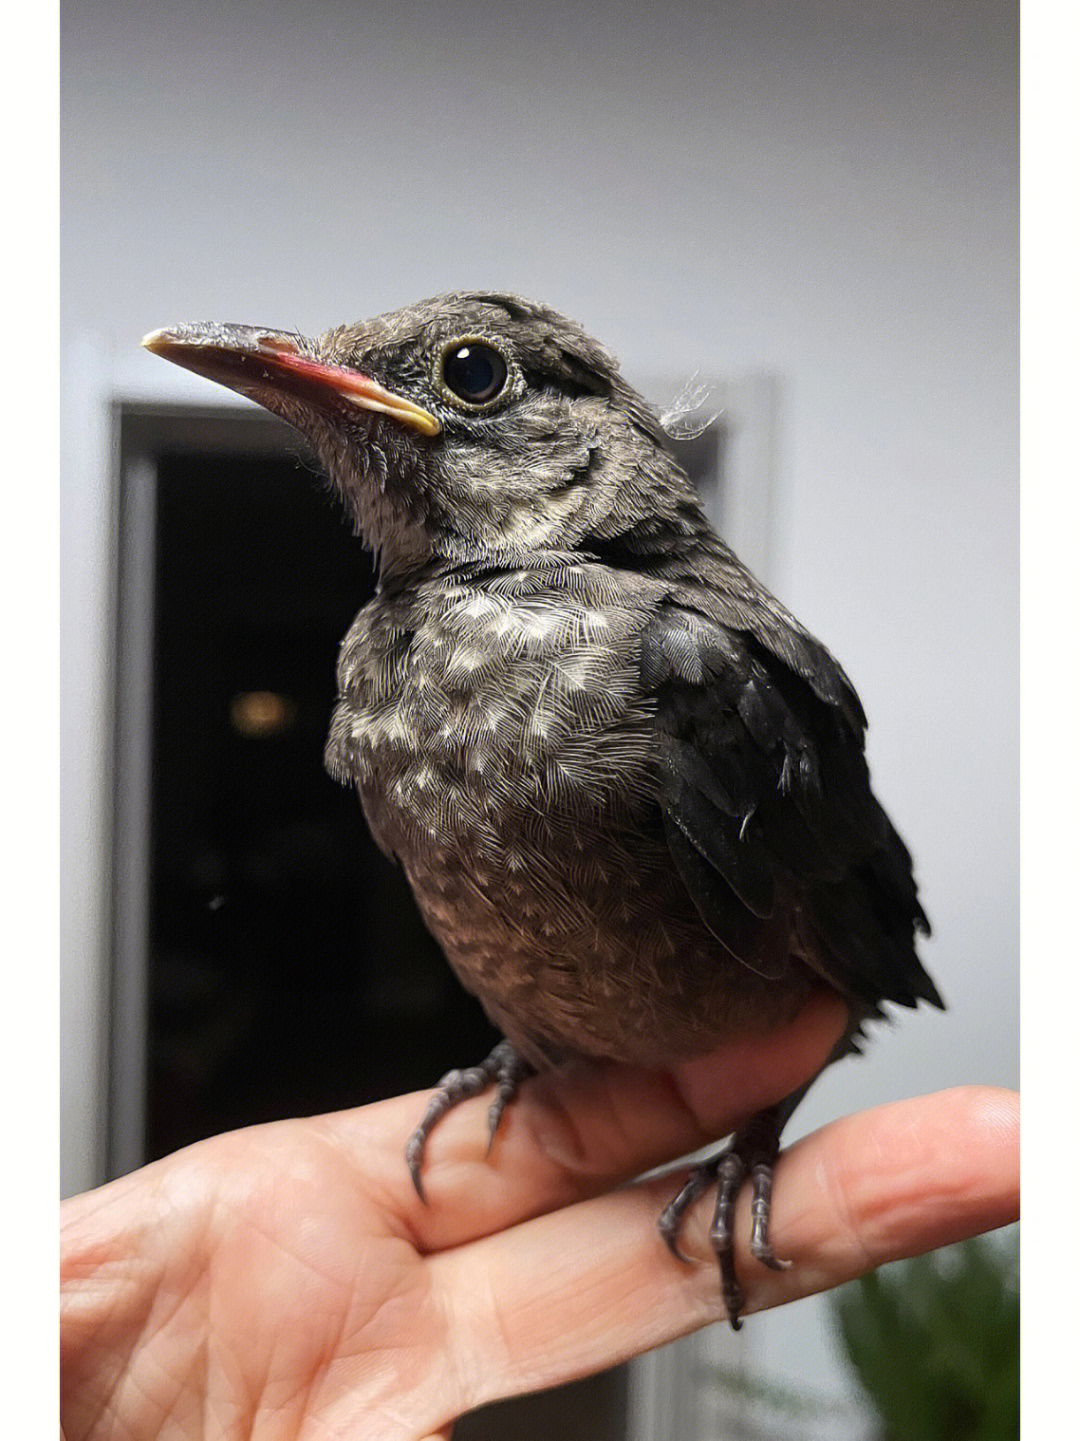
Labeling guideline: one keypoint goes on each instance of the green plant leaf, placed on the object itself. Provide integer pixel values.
(934, 1342)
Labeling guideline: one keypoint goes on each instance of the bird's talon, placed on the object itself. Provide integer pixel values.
(668, 1225)
(418, 1185)
(493, 1126)
(504, 1066)
(750, 1154)
(768, 1257)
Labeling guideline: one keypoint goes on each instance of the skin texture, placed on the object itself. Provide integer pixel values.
(286, 1283)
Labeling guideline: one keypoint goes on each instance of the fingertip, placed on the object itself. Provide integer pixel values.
(995, 1112)
(916, 1174)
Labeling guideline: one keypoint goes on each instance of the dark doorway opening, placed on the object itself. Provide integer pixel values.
(287, 969)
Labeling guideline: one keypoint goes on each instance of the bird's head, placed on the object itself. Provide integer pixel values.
(464, 426)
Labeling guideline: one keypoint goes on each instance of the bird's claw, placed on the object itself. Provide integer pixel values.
(751, 1153)
(504, 1067)
(761, 1249)
(671, 1217)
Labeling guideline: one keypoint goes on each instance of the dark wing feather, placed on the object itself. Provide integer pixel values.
(767, 807)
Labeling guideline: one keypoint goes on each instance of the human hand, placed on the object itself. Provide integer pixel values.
(286, 1280)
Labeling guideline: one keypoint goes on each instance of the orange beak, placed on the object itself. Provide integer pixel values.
(252, 361)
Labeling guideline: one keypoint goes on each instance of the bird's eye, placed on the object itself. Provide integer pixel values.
(474, 371)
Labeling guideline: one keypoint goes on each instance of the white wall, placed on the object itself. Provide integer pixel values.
(827, 188)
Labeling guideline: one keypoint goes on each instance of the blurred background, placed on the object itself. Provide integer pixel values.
(811, 204)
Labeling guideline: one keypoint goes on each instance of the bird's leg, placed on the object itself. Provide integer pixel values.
(504, 1067)
(752, 1152)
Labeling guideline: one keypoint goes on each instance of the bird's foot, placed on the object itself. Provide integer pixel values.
(752, 1153)
(504, 1067)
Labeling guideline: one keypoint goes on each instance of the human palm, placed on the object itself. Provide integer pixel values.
(286, 1281)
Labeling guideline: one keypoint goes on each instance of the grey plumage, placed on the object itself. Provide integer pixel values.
(627, 787)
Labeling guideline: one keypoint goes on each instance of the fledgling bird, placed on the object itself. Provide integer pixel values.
(627, 787)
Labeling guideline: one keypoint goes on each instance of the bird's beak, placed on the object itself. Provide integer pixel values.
(258, 363)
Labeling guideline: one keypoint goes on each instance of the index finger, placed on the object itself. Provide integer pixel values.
(565, 1295)
(573, 1134)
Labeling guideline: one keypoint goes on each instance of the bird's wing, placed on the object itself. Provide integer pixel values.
(767, 807)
